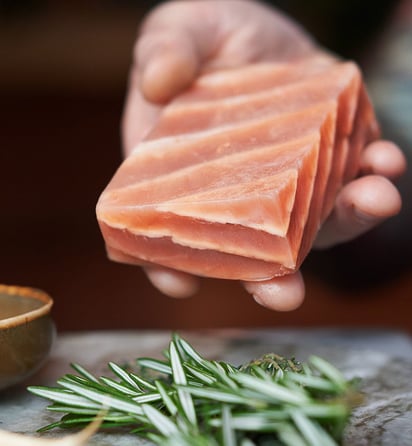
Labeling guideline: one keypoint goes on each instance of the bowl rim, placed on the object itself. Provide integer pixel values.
(30, 293)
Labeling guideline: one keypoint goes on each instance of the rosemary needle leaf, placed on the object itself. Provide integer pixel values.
(162, 423)
(67, 380)
(262, 421)
(83, 372)
(147, 398)
(71, 409)
(271, 390)
(124, 376)
(121, 388)
(314, 382)
(168, 402)
(247, 442)
(325, 410)
(200, 375)
(228, 433)
(313, 435)
(290, 436)
(64, 397)
(185, 347)
(328, 370)
(221, 374)
(156, 365)
(221, 396)
(50, 426)
(80, 380)
(187, 400)
(179, 378)
(106, 400)
(141, 382)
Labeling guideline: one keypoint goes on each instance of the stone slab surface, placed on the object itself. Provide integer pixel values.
(382, 359)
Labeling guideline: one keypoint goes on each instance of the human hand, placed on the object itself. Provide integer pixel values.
(180, 39)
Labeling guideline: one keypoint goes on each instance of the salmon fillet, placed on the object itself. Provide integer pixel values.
(240, 171)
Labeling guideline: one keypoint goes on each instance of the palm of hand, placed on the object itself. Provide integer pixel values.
(173, 48)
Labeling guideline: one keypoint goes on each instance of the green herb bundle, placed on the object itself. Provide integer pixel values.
(187, 400)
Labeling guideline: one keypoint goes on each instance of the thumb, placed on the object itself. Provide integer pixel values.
(166, 65)
(180, 38)
(171, 49)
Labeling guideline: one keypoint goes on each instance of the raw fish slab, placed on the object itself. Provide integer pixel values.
(240, 171)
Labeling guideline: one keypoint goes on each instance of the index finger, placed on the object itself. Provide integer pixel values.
(383, 158)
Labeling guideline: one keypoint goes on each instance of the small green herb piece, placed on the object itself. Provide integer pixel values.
(187, 400)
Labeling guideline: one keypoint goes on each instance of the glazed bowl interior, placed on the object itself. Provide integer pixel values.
(26, 332)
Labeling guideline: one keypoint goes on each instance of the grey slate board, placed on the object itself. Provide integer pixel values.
(382, 359)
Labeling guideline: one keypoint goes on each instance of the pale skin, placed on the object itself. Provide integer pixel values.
(181, 39)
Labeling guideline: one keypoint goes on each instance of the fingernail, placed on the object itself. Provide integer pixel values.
(364, 217)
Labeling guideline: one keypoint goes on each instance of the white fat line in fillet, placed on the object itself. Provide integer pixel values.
(307, 140)
(223, 77)
(211, 245)
(343, 70)
(165, 143)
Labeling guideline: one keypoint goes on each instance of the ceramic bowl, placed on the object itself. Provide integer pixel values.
(26, 332)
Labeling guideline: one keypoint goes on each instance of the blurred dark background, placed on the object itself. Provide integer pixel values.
(63, 74)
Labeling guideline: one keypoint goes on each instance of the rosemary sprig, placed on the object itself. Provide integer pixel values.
(186, 399)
